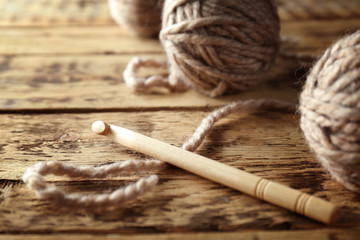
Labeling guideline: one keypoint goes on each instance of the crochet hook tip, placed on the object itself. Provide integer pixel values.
(100, 127)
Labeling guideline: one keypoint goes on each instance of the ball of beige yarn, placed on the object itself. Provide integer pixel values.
(218, 46)
(140, 17)
(330, 111)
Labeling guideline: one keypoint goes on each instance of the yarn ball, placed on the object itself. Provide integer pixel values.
(140, 17)
(330, 111)
(218, 46)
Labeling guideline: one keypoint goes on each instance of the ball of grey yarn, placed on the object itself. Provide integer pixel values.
(139, 17)
(220, 46)
(330, 111)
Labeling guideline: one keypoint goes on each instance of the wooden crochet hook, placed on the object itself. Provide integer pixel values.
(250, 184)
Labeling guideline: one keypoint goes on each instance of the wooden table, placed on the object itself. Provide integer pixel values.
(61, 66)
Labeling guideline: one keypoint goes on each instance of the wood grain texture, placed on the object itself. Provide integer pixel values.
(321, 234)
(91, 83)
(243, 181)
(314, 36)
(65, 68)
(182, 202)
(113, 40)
(61, 66)
(73, 40)
(96, 12)
(303, 10)
(68, 137)
(54, 13)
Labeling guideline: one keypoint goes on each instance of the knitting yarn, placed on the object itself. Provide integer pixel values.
(218, 46)
(33, 176)
(330, 110)
(140, 17)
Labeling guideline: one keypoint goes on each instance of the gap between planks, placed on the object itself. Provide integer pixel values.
(326, 233)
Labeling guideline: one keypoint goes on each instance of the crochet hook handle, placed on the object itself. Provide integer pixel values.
(250, 184)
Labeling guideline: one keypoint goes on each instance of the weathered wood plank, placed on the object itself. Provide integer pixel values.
(110, 39)
(31, 138)
(54, 12)
(58, 55)
(95, 82)
(320, 234)
(182, 202)
(315, 36)
(73, 40)
(96, 12)
(302, 10)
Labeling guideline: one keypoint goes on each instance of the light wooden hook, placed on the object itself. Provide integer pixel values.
(250, 184)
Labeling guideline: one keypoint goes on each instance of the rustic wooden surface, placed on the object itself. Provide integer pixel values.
(61, 66)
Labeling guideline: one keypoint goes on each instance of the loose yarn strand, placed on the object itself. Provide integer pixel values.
(58, 168)
(33, 177)
(248, 106)
(146, 84)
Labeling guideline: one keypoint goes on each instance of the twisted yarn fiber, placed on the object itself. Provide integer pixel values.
(140, 17)
(33, 177)
(218, 46)
(330, 111)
